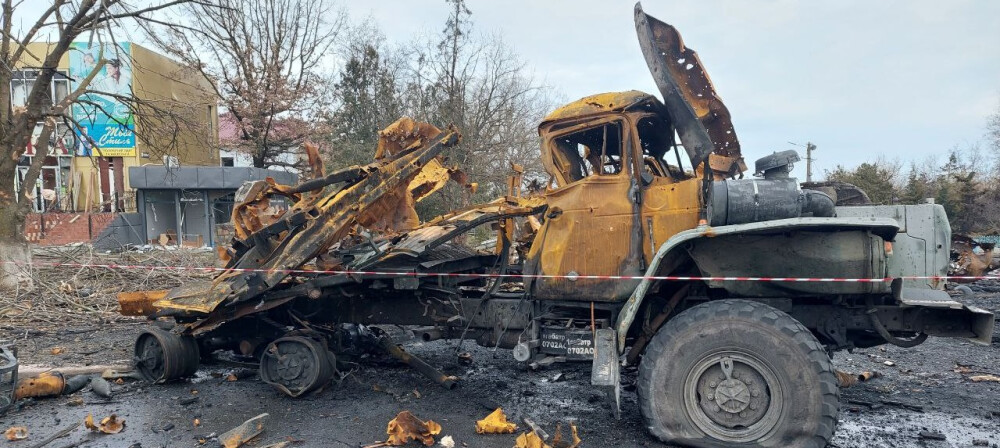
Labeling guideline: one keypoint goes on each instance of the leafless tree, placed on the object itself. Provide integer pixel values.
(481, 85)
(35, 121)
(993, 134)
(367, 94)
(263, 58)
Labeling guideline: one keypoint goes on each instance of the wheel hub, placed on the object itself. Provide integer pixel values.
(150, 357)
(296, 365)
(731, 396)
(290, 365)
(733, 393)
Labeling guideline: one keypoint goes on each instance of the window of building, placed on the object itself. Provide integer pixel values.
(160, 207)
(211, 122)
(222, 208)
(228, 161)
(22, 82)
(194, 218)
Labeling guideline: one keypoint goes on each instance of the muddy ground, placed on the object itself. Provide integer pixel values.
(925, 389)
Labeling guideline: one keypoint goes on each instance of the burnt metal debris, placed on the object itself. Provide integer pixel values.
(571, 269)
(969, 257)
(8, 377)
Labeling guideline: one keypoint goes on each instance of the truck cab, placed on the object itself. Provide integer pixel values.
(619, 188)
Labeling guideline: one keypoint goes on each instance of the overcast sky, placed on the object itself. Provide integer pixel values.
(903, 79)
(860, 79)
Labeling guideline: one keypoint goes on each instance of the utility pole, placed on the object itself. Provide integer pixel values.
(809, 161)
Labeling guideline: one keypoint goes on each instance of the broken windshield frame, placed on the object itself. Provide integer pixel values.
(586, 150)
(658, 147)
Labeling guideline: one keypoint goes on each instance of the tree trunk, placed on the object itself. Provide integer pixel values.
(14, 251)
(259, 158)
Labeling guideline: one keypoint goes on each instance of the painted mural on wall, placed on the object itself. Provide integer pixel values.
(105, 120)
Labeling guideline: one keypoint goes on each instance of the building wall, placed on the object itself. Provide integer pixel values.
(157, 78)
(55, 229)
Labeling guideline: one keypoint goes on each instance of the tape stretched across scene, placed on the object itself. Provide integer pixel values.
(510, 276)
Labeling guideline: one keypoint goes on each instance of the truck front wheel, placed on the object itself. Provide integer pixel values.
(738, 373)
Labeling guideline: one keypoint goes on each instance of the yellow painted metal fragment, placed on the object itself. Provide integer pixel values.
(495, 423)
(46, 384)
(139, 303)
(532, 440)
(406, 427)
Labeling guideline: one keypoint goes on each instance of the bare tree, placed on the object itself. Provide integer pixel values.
(35, 120)
(367, 94)
(263, 58)
(993, 134)
(481, 85)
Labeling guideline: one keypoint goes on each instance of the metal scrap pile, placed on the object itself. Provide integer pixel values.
(369, 207)
(341, 229)
(969, 257)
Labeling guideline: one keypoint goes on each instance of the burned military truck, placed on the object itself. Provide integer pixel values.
(651, 246)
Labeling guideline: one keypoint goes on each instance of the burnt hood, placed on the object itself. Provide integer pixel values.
(701, 119)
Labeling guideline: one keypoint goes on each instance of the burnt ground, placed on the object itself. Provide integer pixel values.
(926, 388)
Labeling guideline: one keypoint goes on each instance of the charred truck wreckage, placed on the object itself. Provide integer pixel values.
(628, 258)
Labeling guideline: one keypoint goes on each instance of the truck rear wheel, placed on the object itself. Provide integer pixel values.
(161, 356)
(738, 373)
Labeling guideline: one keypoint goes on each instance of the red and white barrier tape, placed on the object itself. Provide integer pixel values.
(513, 276)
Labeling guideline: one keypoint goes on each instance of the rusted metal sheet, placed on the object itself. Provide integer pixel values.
(601, 103)
(139, 303)
(701, 118)
(313, 228)
(242, 434)
(591, 224)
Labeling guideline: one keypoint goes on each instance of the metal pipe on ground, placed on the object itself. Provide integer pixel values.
(428, 334)
(394, 350)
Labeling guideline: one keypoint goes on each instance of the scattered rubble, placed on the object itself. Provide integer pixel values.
(969, 258)
(845, 379)
(534, 440)
(405, 428)
(15, 433)
(92, 296)
(931, 435)
(245, 432)
(61, 433)
(982, 378)
(108, 425)
(495, 423)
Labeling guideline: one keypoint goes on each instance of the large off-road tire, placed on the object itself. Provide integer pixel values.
(737, 373)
